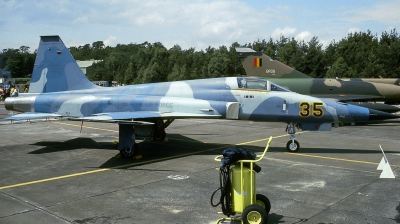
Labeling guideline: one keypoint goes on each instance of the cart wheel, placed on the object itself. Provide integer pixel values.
(292, 147)
(254, 214)
(264, 202)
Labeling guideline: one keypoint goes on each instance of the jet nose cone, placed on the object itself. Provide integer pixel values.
(375, 115)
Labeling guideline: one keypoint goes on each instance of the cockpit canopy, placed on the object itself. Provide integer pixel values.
(257, 83)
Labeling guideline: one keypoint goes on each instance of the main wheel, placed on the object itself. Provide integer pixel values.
(264, 202)
(159, 136)
(254, 214)
(159, 130)
(292, 146)
(129, 152)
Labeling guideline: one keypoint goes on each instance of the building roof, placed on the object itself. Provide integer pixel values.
(85, 64)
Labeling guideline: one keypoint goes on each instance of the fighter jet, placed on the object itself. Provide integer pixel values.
(352, 91)
(58, 88)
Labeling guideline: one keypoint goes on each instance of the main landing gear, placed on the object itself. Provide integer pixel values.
(159, 129)
(130, 152)
(292, 145)
(128, 133)
(127, 145)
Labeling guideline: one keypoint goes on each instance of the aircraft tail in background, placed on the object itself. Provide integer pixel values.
(55, 69)
(258, 64)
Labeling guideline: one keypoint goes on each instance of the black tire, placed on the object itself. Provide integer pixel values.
(129, 152)
(254, 214)
(159, 136)
(264, 202)
(290, 147)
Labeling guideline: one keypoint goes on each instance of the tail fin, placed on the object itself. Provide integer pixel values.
(55, 69)
(258, 64)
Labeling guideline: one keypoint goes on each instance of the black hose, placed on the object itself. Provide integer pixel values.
(225, 187)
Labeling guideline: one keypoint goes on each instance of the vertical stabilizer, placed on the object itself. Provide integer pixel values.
(55, 69)
(258, 64)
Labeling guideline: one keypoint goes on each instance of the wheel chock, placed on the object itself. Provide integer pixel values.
(118, 156)
(384, 165)
(115, 142)
(137, 157)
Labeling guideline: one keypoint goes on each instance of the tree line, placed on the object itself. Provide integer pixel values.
(359, 55)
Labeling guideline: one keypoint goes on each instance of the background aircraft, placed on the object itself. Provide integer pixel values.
(58, 88)
(391, 81)
(353, 91)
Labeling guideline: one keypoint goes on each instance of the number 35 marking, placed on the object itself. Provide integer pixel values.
(317, 110)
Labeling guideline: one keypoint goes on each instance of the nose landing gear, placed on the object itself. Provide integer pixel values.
(292, 145)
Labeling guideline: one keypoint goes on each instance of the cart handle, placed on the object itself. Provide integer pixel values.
(258, 157)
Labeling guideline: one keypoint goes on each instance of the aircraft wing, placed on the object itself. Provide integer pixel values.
(32, 115)
(115, 116)
(118, 116)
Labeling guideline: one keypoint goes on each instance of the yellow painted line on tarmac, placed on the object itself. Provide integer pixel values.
(51, 179)
(331, 158)
(260, 140)
(266, 139)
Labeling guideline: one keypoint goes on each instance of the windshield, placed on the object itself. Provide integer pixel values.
(256, 83)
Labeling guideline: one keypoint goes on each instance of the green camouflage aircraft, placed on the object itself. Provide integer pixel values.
(361, 92)
(391, 81)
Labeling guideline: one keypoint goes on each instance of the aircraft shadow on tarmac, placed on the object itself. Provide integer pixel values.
(73, 144)
(178, 146)
(151, 151)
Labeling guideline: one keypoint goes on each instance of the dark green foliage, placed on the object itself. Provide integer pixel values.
(360, 55)
(18, 61)
(339, 69)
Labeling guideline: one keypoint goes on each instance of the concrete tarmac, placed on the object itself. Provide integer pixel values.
(51, 172)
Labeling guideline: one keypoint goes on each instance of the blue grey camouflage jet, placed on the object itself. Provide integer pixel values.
(58, 88)
(352, 91)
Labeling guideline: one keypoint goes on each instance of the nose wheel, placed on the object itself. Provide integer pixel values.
(292, 146)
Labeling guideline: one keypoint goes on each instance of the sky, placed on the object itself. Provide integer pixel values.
(191, 23)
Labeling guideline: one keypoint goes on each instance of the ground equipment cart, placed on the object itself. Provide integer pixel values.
(238, 191)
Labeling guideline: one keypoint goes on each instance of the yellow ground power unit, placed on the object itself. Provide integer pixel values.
(238, 190)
